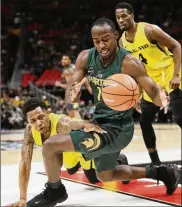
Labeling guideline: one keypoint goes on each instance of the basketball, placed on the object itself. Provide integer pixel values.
(120, 92)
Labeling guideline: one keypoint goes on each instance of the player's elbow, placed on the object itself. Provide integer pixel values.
(175, 46)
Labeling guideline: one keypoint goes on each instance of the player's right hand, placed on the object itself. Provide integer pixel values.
(21, 202)
(75, 88)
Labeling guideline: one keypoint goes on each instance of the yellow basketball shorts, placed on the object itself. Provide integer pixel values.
(70, 160)
(163, 79)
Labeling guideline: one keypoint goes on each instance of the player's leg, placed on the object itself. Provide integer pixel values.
(55, 191)
(149, 110)
(91, 173)
(176, 104)
(167, 174)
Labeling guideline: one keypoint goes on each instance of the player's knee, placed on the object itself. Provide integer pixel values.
(48, 147)
(102, 177)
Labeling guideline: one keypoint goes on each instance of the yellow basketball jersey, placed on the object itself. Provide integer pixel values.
(70, 159)
(54, 118)
(157, 59)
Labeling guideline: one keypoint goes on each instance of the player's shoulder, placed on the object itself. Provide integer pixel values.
(84, 54)
(151, 27)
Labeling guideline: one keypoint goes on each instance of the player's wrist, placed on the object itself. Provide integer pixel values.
(176, 74)
(23, 199)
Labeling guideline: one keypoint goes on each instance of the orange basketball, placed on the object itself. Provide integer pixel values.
(120, 92)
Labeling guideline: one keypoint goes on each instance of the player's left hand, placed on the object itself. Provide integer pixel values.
(175, 82)
(137, 106)
(89, 127)
(164, 97)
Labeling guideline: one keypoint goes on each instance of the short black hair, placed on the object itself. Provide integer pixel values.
(103, 21)
(32, 104)
(125, 5)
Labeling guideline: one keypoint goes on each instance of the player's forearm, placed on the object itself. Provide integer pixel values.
(74, 125)
(67, 94)
(68, 97)
(155, 96)
(176, 50)
(24, 174)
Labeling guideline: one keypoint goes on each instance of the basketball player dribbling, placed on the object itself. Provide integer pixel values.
(100, 62)
(152, 46)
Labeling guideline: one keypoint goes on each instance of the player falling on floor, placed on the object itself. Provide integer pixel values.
(41, 125)
(161, 55)
(100, 62)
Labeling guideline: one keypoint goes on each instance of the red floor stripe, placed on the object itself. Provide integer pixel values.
(140, 188)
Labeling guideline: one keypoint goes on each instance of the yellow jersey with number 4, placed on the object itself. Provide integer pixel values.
(157, 59)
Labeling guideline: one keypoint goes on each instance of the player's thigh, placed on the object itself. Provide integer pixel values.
(106, 162)
(59, 143)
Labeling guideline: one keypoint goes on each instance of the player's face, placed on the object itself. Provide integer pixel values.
(105, 40)
(124, 19)
(65, 60)
(39, 119)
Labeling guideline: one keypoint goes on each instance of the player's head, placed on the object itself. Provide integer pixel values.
(104, 36)
(65, 60)
(35, 111)
(124, 15)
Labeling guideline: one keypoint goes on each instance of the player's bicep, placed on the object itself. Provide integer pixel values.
(80, 67)
(157, 35)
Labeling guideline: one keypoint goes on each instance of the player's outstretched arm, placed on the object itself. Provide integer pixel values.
(156, 35)
(135, 68)
(25, 166)
(78, 75)
(66, 124)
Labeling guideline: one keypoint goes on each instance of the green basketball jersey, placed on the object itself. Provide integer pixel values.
(97, 74)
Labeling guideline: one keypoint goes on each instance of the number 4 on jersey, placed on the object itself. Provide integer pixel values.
(144, 60)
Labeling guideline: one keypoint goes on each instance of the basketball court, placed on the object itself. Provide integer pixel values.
(141, 192)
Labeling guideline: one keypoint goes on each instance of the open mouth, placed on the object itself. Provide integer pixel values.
(105, 52)
(41, 129)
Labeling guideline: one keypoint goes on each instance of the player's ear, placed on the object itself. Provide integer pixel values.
(132, 15)
(116, 33)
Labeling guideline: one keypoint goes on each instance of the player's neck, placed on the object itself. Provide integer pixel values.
(132, 30)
